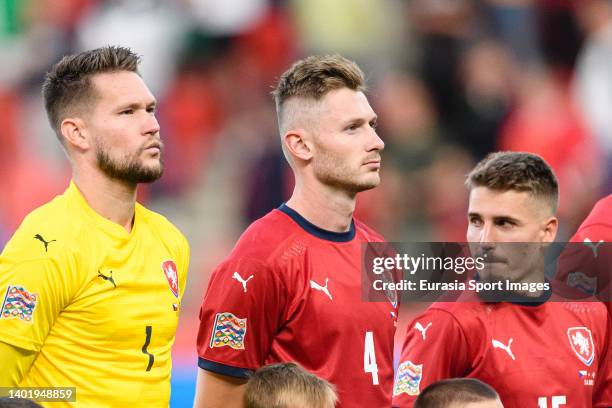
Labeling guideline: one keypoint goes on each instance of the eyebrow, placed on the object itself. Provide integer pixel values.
(136, 105)
(495, 217)
(360, 120)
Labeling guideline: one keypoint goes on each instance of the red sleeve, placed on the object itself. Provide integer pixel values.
(585, 262)
(242, 310)
(435, 348)
(602, 394)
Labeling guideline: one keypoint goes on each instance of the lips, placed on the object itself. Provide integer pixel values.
(154, 145)
(373, 162)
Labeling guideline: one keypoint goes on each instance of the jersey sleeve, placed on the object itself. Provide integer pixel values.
(33, 293)
(585, 262)
(435, 348)
(242, 310)
(184, 265)
(602, 394)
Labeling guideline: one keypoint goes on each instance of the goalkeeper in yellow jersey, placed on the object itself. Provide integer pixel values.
(91, 282)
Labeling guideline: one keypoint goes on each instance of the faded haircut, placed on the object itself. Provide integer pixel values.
(311, 78)
(517, 171)
(68, 89)
(287, 385)
(455, 391)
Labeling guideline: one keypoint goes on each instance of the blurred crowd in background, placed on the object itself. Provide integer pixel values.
(451, 80)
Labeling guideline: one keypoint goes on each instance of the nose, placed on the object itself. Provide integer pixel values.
(376, 143)
(487, 237)
(151, 126)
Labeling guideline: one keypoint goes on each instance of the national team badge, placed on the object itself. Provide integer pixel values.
(581, 340)
(18, 303)
(228, 330)
(408, 379)
(170, 271)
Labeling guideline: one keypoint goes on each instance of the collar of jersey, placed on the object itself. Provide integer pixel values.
(522, 300)
(109, 227)
(317, 231)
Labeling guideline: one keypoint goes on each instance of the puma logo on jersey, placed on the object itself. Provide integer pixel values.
(314, 285)
(237, 276)
(45, 243)
(418, 326)
(593, 246)
(500, 345)
(108, 278)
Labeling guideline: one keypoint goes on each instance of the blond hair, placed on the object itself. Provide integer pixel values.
(287, 385)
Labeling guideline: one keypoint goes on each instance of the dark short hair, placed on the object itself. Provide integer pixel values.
(455, 390)
(517, 171)
(67, 86)
(287, 385)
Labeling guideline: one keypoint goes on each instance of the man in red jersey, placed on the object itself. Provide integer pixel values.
(534, 352)
(290, 290)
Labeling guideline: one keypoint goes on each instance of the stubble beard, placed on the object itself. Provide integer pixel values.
(129, 169)
(334, 172)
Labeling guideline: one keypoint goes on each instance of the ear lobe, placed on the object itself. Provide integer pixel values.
(73, 131)
(550, 229)
(298, 145)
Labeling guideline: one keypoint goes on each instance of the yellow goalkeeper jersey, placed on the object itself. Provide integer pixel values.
(99, 305)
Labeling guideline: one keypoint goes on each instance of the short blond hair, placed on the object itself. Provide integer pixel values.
(287, 385)
(311, 78)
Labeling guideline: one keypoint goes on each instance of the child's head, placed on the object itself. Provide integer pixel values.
(458, 393)
(288, 385)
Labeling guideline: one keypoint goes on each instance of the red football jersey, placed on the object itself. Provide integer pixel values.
(544, 355)
(588, 267)
(290, 291)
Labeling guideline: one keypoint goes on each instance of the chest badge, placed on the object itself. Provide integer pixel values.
(581, 340)
(171, 273)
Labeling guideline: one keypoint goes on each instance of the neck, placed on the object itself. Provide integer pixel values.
(323, 206)
(113, 199)
(536, 276)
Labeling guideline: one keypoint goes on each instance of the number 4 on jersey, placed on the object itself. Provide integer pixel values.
(369, 357)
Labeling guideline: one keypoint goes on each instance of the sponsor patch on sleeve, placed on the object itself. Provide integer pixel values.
(408, 379)
(228, 330)
(583, 282)
(18, 303)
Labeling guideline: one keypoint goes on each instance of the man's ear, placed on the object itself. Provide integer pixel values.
(549, 233)
(298, 144)
(74, 133)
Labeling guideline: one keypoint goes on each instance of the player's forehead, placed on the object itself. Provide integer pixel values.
(345, 104)
(488, 202)
(121, 88)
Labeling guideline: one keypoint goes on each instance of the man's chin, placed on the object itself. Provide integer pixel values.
(139, 176)
(150, 175)
(368, 184)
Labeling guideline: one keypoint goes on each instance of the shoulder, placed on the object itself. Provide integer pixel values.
(464, 314)
(161, 226)
(268, 248)
(269, 237)
(367, 234)
(46, 232)
(587, 312)
(598, 224)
